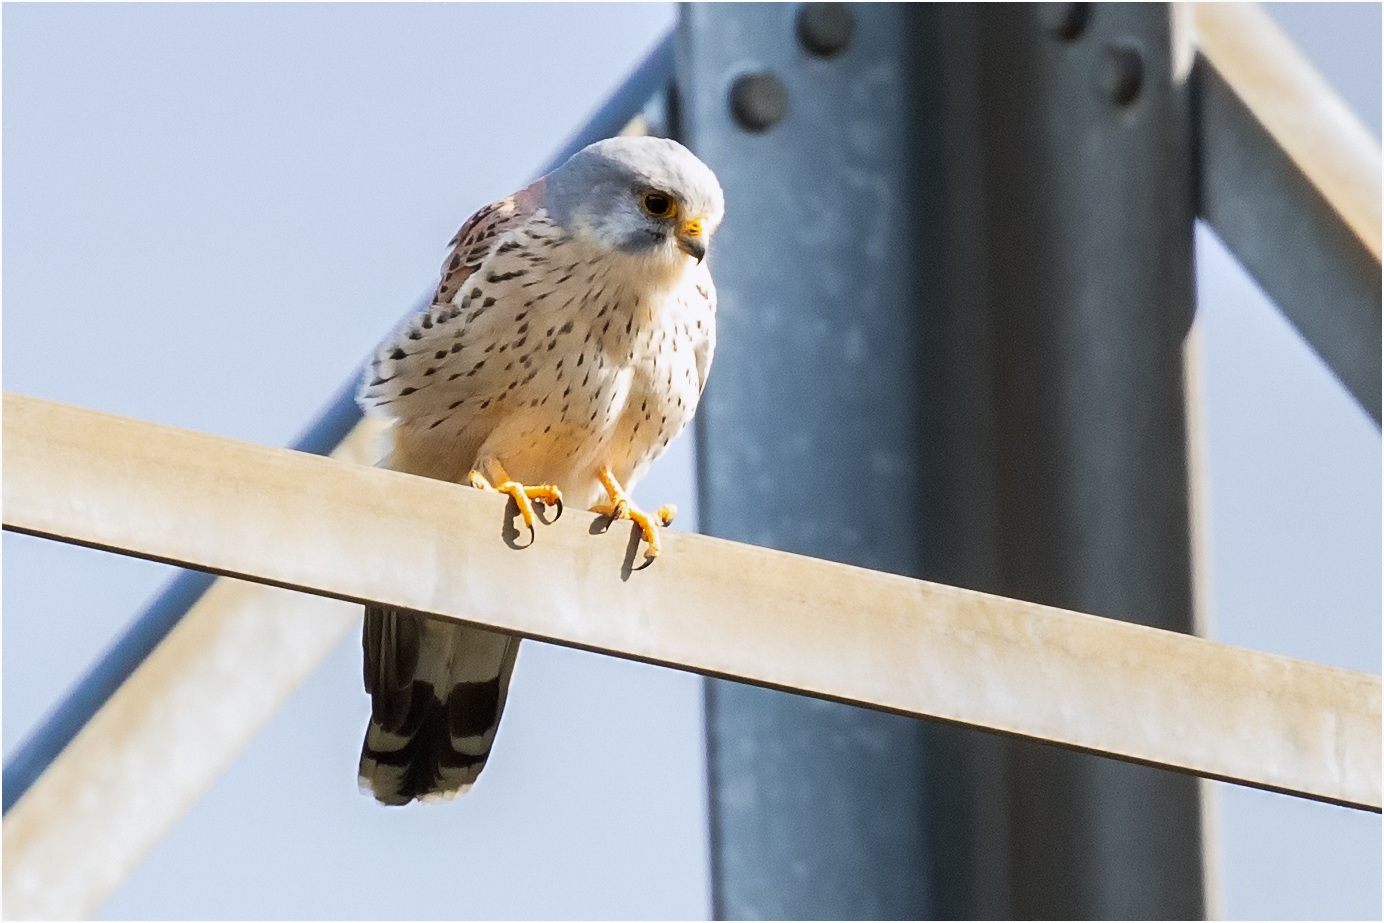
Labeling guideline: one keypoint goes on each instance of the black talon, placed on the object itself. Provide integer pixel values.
(508, 530)
(546, 505)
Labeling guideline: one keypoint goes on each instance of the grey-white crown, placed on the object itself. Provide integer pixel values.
(598, 193)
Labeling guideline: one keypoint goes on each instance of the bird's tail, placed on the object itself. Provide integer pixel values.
(437, 690)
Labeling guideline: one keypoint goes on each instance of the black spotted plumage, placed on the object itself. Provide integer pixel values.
(486, 380)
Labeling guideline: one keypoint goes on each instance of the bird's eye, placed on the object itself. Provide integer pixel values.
(659, 205)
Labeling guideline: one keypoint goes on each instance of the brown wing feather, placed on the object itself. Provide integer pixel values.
(472, 244)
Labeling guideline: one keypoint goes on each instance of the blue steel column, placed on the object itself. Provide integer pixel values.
(1060, 256)
(955, 278)
(808, 437)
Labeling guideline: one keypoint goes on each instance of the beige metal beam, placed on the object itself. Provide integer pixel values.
(710, 606)
(1298, 108)
(1290, 180)
(164, 737)
(158, 744)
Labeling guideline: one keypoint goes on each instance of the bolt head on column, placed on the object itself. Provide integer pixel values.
(758, 101)
(825, 29)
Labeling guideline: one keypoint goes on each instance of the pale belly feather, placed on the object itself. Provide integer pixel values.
(598, 372)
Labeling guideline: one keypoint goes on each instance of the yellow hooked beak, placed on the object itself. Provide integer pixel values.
(691, 239)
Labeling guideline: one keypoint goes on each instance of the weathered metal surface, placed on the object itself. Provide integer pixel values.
(955, 281)
(715, 607)
(1290, 180)
(807, 433)
(159, 742)
(1298, 109)
(1061, 266)
(166, 730)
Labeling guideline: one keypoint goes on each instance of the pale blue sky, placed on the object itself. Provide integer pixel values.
(211, 213)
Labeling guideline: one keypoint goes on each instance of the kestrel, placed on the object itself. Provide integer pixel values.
(567, 345)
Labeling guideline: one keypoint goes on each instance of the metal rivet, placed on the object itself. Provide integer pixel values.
(1065, 21)
(825, 29)
(1121, 75)
(758, 101)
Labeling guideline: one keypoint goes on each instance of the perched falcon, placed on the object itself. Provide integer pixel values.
(566, 346)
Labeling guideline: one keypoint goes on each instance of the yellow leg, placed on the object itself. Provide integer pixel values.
(622, 507)
(523, 496)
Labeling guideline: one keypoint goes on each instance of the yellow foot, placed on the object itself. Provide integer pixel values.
(523, 496)
(622, 507)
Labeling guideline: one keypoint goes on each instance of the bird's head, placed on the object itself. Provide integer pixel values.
(646, 197)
